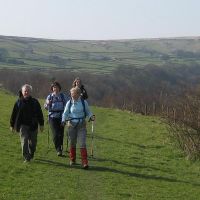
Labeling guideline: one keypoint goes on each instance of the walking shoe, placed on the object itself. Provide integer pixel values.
(59, 153)
(85, 166)
(72, 162)
(26, 161)
(32, 156)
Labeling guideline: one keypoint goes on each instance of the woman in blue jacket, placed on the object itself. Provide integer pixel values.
(76, 110)
(55, 104)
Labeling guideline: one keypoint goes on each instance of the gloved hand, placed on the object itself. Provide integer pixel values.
(92, 118)
(12, 129)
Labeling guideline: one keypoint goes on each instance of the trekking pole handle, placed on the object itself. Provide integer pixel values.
(92, 127)
(92, 118)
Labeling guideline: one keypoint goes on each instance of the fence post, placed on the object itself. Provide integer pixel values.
(167, 111)
(198, 119)
(124, 105)
(162, 108)
(174, 115)
(154, 108)
(145, 109)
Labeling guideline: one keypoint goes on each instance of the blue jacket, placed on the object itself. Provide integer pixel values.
(57, 105)
(75, 112)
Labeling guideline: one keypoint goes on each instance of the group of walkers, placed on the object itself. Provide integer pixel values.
(70, 110)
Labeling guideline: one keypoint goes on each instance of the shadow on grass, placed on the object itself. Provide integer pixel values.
(129, 143)
(50, 162)
(141, 176)
(54, 163)
(139, 166)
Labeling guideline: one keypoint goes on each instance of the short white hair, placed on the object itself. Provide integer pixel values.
(76, 89)
(30, 88)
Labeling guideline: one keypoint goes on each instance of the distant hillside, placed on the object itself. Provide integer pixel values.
(96, 56)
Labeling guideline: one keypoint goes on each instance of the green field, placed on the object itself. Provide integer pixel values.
(133, 159)
(95, 56)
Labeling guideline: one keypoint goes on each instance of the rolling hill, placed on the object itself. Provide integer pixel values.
(95, 56)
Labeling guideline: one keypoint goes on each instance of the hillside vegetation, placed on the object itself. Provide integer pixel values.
(95, 56)
(133, 159)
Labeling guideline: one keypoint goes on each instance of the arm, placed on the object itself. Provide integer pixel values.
(14, 115)
(84, 94)
(87, 110)
(48, 102)
(40, 116)
(65, 114)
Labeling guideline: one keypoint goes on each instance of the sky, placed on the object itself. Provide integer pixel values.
(99, 19)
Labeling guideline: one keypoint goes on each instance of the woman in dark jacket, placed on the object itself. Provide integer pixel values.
(77, 83)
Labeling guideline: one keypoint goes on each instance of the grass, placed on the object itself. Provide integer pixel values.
(133, 159)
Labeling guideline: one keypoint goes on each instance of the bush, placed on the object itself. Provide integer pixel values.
(184, 126)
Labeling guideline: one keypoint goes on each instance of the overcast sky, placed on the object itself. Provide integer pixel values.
(99, 19)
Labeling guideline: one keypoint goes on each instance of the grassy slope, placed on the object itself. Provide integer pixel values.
(133, 160)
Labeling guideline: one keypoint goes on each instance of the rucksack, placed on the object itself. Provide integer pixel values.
(62, 99)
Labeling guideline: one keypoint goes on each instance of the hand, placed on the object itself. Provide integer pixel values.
(92, 118)
(48, 102)
(12, 129)
(62, 124)
(41, 128)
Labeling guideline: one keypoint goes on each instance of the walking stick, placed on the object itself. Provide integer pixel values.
(48, 133)
(92, 143)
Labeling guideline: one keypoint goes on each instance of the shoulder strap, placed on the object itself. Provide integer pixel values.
(50, 99)
(18, 103)
(83, 103)
(70, 105)
(62, 97)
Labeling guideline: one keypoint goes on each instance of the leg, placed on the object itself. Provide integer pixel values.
(82, 142)
(72, 143)
(61, 135)
(24, 138)
(55, 127)
(33, 143)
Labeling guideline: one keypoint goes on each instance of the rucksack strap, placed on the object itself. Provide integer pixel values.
(84, 110)
(62, 100)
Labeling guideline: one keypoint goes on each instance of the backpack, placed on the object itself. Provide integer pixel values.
(83, 103)
(62, 99)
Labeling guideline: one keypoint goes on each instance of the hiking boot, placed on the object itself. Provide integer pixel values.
(72, 153)
(85, 166)
(26, 161)
(84, 159)
(59, 153)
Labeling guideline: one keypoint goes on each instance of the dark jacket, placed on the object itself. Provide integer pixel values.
(84, 94)
(27, 112)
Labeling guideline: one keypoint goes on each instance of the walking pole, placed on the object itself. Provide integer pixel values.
(47, 133)
(92, 143)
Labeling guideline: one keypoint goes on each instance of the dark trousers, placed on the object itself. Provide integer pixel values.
(28, 141)
(57, 133)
